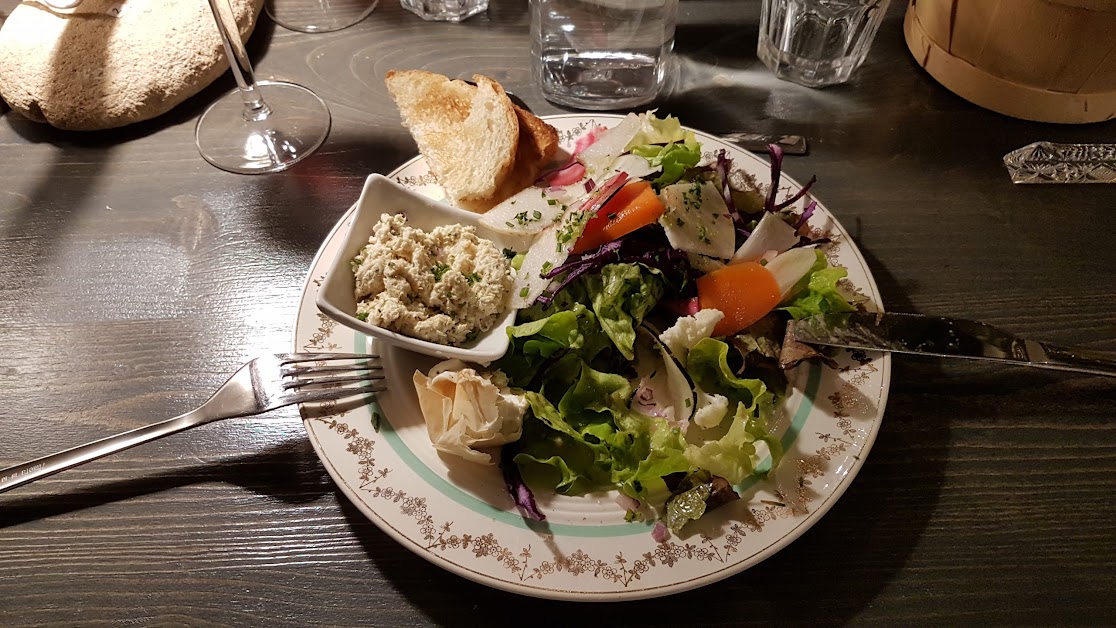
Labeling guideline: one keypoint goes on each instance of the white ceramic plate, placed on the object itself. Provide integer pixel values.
(458, 515)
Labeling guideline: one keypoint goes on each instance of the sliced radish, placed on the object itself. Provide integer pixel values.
(771, 234)
(791, 266)
(533, 209)
(552, 246)
(665, 388)
(599, 155)
(637, 167)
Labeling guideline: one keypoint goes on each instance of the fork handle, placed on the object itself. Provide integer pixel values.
(21, 474)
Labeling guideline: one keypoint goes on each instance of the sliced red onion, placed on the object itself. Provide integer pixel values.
(687, 307)
(660, 533)
(626, 502)
(568, 174)
(584, 141)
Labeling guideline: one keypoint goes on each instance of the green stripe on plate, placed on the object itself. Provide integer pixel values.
(513, 518)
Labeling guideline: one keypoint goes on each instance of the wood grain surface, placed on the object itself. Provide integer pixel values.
(134, 278)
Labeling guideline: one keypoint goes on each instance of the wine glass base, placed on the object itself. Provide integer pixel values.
(297, 124)
(318, 16)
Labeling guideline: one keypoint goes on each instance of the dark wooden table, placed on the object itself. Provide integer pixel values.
(134, 278)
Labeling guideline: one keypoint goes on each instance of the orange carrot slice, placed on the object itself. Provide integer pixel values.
(635, 205)
(745, 292)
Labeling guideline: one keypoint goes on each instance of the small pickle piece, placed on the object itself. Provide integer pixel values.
(687, 506)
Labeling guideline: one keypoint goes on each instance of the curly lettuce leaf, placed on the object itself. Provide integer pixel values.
(656, 130)
(536, 342)
(734, 455)
(590, 440)
(674, 158)
(622, 294)
(817, 292)
(707, 364)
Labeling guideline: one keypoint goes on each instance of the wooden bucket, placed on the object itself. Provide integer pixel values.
(1043, 60)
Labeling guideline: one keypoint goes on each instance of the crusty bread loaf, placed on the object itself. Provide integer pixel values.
(108, 63)
(479, 146)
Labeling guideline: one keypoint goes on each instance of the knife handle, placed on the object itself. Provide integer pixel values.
(1075, 359)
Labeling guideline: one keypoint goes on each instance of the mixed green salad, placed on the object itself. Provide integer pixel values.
(654, 302)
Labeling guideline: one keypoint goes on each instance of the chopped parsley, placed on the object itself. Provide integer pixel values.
(523, 218)
(572, 228)
(472, 278)
(362, 316)
(524, 292)
(439, 270)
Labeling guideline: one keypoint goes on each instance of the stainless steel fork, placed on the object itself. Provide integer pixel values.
(265, 383)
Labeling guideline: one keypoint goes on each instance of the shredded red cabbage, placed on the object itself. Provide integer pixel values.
(518, 489)
(776, 153)
(806, 213)
(769, 204)
(647, 245)
(722, 168)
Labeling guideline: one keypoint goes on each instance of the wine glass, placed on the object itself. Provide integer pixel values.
(318, 16)
(261, 126)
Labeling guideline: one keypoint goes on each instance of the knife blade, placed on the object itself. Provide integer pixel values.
(945, 337)
(757, 142)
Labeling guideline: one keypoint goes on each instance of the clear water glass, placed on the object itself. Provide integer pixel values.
(445, 10)
(602, 54)
(817, 42)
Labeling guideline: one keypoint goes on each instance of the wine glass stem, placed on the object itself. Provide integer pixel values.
(255, 109)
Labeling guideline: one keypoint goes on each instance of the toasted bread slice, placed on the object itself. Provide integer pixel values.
(538, 141)
(469, 134)
(480, 146)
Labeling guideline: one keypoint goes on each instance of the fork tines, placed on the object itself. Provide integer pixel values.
(365, 369)
(289, 358)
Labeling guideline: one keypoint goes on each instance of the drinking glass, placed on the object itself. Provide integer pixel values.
(817, 42)
(259, 127)
(602, 54)
(318, 16)
(445, 10)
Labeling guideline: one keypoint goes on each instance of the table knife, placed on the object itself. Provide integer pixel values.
(945, 337)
